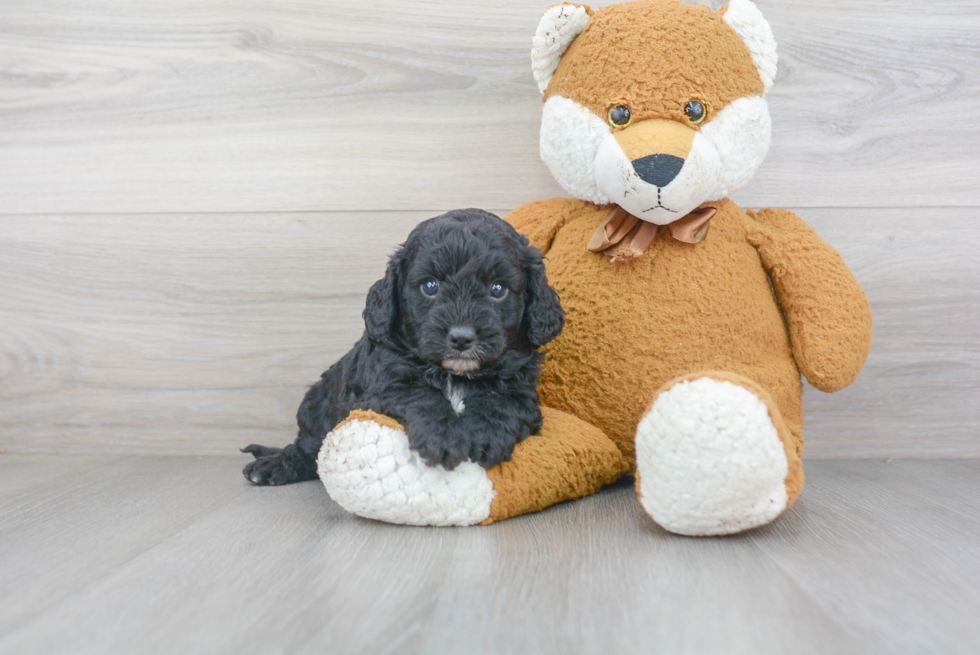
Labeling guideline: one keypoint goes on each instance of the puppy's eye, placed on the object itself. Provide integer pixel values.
(619, 116)
(695, 111)
(430, 287)
(498, 291)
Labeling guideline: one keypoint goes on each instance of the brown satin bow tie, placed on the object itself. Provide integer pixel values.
(623, 236)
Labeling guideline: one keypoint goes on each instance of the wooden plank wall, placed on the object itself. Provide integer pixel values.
(195, 196)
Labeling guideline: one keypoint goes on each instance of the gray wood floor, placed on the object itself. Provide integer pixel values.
(133, 554)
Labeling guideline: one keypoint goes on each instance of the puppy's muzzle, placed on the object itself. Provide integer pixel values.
(461, 339)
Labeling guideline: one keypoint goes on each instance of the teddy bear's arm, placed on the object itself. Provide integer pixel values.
(828, 315)
(540, 220)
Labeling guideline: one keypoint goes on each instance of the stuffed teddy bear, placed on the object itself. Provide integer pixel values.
(688, 320)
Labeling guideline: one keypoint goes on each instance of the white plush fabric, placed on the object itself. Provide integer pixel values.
(710, 460)
(570, 138)
(696, 182)
(740, 135)
(586, 160)
(746, 19)
(557, 29)
(369, 470)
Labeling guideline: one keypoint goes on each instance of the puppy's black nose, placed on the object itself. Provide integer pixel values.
(461, 338)
(658, 170)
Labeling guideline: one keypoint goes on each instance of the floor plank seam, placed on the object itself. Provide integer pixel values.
(860, 638)
(423, 210)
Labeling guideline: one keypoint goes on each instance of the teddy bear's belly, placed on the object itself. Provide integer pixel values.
(631, 327)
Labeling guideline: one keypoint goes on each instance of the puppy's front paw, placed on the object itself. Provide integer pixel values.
(267, 470)
(491, 448)
(443, 451)
(278, 468)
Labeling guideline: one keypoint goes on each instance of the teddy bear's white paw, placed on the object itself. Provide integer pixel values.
(369, 470)
(709, 460)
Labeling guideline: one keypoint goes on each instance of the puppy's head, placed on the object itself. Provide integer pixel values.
(462, 290)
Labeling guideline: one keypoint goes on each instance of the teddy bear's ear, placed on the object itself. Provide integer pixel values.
(558, 28)
(746, 19)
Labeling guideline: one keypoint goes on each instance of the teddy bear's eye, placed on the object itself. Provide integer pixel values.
(619, 116)
(695, 111)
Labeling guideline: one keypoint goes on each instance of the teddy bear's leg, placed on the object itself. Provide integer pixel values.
(714, 456)
(367, 467)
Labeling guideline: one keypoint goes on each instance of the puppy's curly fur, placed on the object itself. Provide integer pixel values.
(450, 350)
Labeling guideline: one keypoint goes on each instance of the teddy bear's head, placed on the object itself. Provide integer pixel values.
(656, 106)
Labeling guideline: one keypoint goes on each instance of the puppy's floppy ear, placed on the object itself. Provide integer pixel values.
(381, 308)
(543, 316)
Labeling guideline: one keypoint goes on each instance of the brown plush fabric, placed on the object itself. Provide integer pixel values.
(758, 300)
(656, 135)
(827, 312)
(368, 415)
(649, 56)
(540, 220)
(567, 460)
(633, 326)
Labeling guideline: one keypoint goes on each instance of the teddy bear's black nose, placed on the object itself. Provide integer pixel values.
(658, 170)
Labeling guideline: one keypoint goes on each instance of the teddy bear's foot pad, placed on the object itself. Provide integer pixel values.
(369, 470)
(710, 460)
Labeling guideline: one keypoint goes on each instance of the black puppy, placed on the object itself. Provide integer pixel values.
(450, 350)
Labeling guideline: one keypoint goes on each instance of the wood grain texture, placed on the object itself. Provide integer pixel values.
(199, 333)
(21, 472)
(213, 106)
(868, 518)
(874, 557)
(204, 330)
(67, 533)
